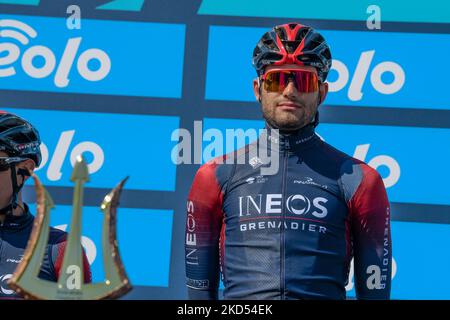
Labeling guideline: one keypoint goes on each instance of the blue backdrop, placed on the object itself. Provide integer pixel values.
(137, 70)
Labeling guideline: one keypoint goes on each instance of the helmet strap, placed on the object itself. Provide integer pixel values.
(315, 121)
(259, 89)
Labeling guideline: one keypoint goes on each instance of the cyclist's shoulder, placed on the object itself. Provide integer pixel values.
(56, 237)
(333, 154)
(352, 171)
(347, 164)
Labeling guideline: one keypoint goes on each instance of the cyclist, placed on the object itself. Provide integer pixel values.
(19, 155)
(291, 235)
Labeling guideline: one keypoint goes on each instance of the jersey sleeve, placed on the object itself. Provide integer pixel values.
(371, 236)
(202, 237)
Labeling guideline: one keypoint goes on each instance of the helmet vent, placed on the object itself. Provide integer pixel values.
(270, 44)
(291, 46)
(301, 34)
(281, 33)
(272, 56)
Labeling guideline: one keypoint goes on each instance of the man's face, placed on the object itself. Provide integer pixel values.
(5, 185)
(289, 110)
(6, 189)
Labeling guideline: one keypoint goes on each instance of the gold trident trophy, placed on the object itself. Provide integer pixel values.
(70, 285)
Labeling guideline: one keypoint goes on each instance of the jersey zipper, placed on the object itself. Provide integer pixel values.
(282, 244)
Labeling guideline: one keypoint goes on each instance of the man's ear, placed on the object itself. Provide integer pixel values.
(256, 89)
(323, 90)
(27, 166)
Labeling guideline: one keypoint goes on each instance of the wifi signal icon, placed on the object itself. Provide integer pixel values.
(22, 33)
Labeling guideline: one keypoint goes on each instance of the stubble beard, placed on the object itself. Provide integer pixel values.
(287, 120)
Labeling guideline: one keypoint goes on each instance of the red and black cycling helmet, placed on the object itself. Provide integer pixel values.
(18, 138)
(293, 43)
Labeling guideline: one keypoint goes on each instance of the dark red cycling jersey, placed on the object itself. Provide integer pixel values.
(291, 235)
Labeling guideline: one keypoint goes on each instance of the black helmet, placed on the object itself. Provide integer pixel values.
(293, 43)
(19, 138)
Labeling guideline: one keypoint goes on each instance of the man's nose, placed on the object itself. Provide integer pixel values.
(290, 90)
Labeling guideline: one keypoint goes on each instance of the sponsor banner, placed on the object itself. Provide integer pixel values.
(144, 239)
(114, 145)
(402, 155)
(373, 69)
(102, 57)
(400, 10)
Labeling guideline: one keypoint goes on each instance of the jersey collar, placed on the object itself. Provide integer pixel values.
(293, 141)
(13, 223)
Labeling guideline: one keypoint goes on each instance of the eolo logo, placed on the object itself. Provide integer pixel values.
(65, 147)
(365, 67)
(40, 62)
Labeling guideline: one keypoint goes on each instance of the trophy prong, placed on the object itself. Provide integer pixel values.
(114, 271)
(72, 275)
(80, 170)
(113, 196)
